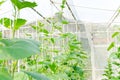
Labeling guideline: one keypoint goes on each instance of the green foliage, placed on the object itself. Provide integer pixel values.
(0, 34)
(64, 22)
(70, 62)
(115, 34)
(111, 46)
(2, 1)
(9, 22)
(115, 78)
(18, 23)
(36, 76)
(12, 24)
(114, 61)
(23, 4)
(6, 22)
(4, 75)
(115, 55)
(40, 28)
(63, 4)
(17, 48)
(53, 40)
(108, 71)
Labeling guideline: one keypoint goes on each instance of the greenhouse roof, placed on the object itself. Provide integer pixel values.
(97, 11)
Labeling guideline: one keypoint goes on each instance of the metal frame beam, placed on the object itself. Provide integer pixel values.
(54, 5)
(71, 11)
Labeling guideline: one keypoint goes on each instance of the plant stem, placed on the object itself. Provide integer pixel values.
(13, 34)
(14, 67)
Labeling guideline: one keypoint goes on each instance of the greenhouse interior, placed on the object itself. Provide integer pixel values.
(59, 40)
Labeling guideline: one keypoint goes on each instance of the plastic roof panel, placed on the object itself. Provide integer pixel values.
(95, 10)
(84, 10)
(104, 4)
(91, 15)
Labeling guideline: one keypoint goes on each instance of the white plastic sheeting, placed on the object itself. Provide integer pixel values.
(84, 10)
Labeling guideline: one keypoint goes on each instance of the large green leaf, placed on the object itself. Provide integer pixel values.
(18, 23)
(4, 75)
(17, 48)
(23, 4)
(36, 76)
(6, 22)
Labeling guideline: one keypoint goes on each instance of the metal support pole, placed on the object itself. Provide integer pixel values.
(90, 38)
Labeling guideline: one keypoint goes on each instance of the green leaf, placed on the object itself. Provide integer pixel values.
(1, 2)
(40, 24)
(78, 70)
(18, 23)
(118, 49)
(6, 22)
(18, 48)
(40, 29)
(45, 62)
(34, 27)
(115, 34)
(23, 4)
(36, 76)
(52, 40)
(111, 46)
(73, 46)
(44, 31)
(63, 4)
(65, 22)
(53, 67)
(116, 63)
(115, 78)
(4, 75)
(65, 35)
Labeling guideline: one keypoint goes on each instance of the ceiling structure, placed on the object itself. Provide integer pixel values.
(95, 11)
